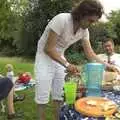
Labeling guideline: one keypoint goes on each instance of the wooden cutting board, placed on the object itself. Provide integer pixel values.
(95, 106)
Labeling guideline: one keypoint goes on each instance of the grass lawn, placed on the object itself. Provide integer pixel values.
(19, 64)
(27, 106)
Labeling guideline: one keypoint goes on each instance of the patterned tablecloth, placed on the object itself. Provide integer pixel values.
(69, 113)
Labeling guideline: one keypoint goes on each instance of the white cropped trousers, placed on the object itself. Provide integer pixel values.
(49, 76)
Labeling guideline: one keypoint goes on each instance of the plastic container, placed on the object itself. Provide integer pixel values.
(94, 76)
(70, 89)
(93, 92)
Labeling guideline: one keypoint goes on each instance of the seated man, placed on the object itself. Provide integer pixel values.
(111, 57)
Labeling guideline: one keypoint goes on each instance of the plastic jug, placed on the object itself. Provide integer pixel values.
(94, 76)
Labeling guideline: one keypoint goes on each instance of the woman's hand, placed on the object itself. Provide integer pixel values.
(72, 69)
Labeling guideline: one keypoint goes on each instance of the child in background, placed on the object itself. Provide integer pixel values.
(10, 75)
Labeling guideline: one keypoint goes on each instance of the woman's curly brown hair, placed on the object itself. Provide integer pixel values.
(87, 8)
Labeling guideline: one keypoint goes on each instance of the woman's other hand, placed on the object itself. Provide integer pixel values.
(112, 68)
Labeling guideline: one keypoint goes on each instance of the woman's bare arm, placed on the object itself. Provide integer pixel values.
(50, 50)
(90, 54)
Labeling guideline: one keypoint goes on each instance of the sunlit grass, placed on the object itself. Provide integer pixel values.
(28, 106)
(19, 64)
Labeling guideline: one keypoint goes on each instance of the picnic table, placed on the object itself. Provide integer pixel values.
(69, 113)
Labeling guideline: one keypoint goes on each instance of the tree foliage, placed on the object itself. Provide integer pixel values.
(6, 19)
(10, 21)
(36, 18)
(114, 25)
(22, 22)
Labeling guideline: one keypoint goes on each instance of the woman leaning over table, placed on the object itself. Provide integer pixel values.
(50, 64)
